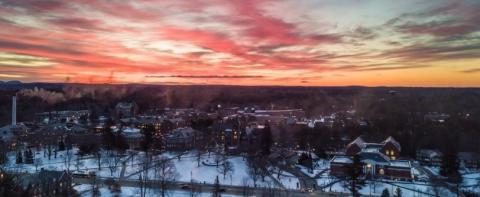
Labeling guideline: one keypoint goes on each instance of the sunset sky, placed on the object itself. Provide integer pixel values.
(242, 42)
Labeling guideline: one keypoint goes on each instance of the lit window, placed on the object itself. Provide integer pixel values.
(382, 171)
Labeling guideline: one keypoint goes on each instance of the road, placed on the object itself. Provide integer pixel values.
(229, 189)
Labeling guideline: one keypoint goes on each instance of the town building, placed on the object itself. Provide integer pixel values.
(181, 139)
(125, 109)
(429, 157)
(469, 159)
(379, 160)
(48, 183)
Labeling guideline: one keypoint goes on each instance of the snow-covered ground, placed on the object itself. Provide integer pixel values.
(187, 169)
(68, 160)
(434, 169)
(85, 191)
(288, 180)
(319, 167)
(407, 188)
(471, 181)
(333, 184)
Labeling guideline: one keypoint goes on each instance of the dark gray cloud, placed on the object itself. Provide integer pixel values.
(4, 44)
(205, 76)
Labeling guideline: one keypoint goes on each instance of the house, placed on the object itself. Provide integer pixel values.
(62, 116)
(469, 159)
(133, 136)
(48, 183)
(379, 160)
(389, 147)
(181, 139)
(429, 157)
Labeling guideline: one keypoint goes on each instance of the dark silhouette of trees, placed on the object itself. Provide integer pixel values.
(449, 166)
(147, 140)
(28, 155)
(3, 152)
(19, 158)
(108, 138)
(353, 179)
(266, 139)
(8, 186)
(385, 193)
(61, 145)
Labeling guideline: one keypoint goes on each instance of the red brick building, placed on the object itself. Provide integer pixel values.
(379, 160)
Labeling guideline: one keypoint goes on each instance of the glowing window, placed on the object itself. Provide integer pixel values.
(381, 171)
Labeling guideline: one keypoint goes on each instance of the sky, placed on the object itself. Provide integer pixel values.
(433, 43)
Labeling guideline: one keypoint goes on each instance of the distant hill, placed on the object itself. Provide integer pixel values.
(17, 85)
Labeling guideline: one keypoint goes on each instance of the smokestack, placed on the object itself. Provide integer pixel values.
(14, 111)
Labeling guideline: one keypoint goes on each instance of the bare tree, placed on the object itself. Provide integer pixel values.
(98, 155)
(67, 158)
(37, 163)
(165, 172)
(112, 161)
(218, 158)
(254, 172)
(226, 168)
(78, 163)
(198, 155)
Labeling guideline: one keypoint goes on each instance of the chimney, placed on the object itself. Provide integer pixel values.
(14, 111)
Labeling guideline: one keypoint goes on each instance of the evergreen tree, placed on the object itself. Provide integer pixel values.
(449, 166)
(398, 192)
(385, 193)
(3, 153)
(147, 137)
(267, 139)
(61, 145)
(354, 171)
(28, 154)
(108, 138)
(121, 142)
(19, 158)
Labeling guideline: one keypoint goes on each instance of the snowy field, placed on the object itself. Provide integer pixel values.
(132, 164)
(68, 160)
(188, 168)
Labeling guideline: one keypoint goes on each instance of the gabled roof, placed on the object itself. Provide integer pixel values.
(394, 142)
(359, 142)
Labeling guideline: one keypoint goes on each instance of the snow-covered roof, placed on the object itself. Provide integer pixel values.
(131, 130)
(429, 153)
(393, 141)
(400, 163)
(341, 159)
(359, 142)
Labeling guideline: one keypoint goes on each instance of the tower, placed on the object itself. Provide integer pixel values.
(14, 110)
